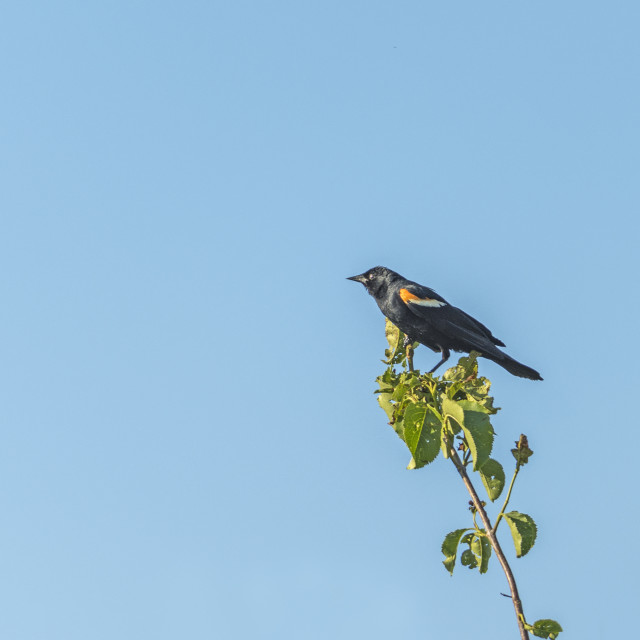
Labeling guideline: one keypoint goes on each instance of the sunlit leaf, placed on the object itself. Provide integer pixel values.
(451, 408)
(493, 478)
(545, 629)
(384, 400)
(467, 367)
(422, 434)
(523, 531)
(479, 434)
(486, 554)
(481, 548)
(392, 334)
(450, 548)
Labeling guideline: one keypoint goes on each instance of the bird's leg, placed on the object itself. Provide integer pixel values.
(445, 356)
(408, 345)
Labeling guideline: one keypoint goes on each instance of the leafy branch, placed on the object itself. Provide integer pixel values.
(451, 415)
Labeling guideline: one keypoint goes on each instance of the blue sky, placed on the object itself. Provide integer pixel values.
(190, 444)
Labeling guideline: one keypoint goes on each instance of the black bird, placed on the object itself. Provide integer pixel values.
(428, 318)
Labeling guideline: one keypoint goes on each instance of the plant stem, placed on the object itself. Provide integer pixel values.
(506, 501)
(410, 356)
(515, 597)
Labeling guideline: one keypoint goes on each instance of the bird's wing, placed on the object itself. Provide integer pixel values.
(479, 325)
(425, 303)
(470, 337)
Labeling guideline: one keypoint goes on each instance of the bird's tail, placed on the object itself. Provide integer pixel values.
(513, 366)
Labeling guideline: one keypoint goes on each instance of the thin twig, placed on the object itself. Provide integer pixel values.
(515, 597)
(506, 502)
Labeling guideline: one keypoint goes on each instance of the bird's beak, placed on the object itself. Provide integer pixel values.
(359, 278)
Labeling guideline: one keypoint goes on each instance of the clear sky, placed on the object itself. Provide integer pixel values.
(190, 444)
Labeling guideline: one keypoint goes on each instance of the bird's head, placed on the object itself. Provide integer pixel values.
(376, 280)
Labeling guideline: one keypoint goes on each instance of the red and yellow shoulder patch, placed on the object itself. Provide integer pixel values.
(412, 298)
(406, 295)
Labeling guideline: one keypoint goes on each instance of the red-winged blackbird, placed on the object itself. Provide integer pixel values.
(428, 318)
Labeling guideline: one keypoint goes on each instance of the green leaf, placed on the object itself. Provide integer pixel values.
(486, 554)
(452, 409)
(477, 430)
(467, 367)
(387, 381)
(400, 391)
(450, 548)
(468, 559)
(478, 553)
(392, 334)
(523, 531)
(493, 478)
(545, 629)
(384, 400)
(398, 427)
(481, 548)
(473, 406)
(478, 390)
(395, 353)
(421, 434)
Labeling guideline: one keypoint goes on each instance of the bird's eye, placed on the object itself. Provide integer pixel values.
(370, 276)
